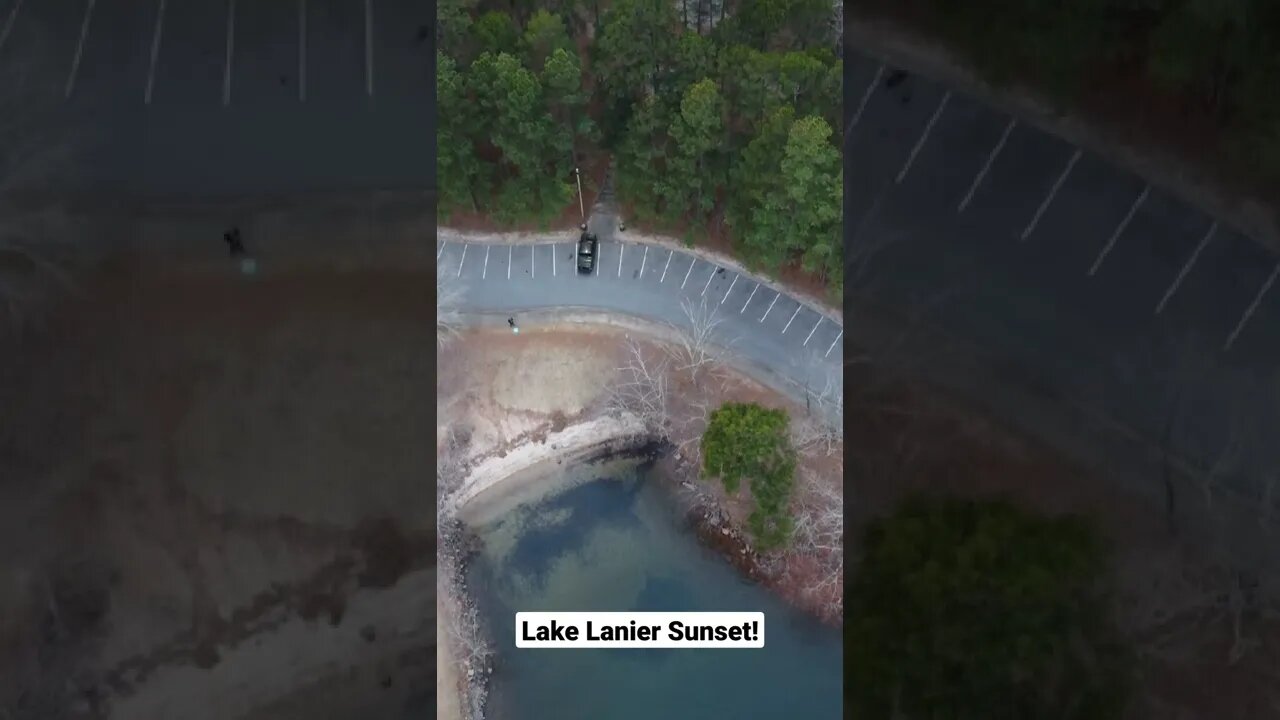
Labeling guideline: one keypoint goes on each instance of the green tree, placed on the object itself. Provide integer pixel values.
(695, 59)
(459, 173)
(693, 169)
(789, 197)
(750, 83)
(494, 33)
(762, 228)
(562, 80)
(784, 24)
(635, 47)
(453, 27)
(813, 185)
(748, 441)
(967, 609)
(535, 149)
(544, 35)
(641, 157)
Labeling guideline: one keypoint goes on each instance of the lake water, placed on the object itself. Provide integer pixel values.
(616, 544)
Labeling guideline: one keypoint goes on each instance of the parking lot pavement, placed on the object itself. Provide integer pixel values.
(1050, 258)
(182, 98)
(776, 331)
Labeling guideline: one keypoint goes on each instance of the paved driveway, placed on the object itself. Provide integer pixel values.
(1078, 273)
(232, 97)
(773, 331)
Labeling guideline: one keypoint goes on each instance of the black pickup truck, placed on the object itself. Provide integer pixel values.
(588, 246)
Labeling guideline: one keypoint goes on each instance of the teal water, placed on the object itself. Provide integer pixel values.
(616, 544)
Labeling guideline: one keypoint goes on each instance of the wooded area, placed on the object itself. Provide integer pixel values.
(978, 609)
(717, 114)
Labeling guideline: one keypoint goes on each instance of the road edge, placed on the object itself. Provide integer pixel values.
(893, 44)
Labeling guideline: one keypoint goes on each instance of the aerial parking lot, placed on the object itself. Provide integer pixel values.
(1049, 255)
(769, 328)
(228, 97)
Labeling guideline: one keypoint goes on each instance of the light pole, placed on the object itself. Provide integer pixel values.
(581, 210)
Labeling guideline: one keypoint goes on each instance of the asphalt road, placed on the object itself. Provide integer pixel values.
(205, 98)
(771, 331)
(1053, 261)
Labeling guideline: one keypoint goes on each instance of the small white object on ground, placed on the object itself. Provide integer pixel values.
(248, 266)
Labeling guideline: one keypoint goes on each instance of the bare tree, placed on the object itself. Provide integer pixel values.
(449, 292)
(818, 539)
(697, 346)
(641, 387)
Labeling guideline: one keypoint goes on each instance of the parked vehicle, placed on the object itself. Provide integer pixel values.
(588, 247)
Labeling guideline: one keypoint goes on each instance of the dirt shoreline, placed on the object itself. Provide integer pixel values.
(492, 474)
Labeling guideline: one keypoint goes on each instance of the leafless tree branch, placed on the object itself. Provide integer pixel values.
(697, 346)
(449, 292)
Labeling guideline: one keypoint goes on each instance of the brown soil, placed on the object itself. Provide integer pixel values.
(228, 454)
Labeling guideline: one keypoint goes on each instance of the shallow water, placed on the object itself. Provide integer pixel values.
(616, 544)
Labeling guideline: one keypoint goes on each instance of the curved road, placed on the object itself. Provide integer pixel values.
(771, 331)
(1082, 276)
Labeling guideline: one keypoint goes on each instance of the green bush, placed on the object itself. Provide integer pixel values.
(751, 442)
(965, 609)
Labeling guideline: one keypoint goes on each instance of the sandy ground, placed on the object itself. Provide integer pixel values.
(212, 475)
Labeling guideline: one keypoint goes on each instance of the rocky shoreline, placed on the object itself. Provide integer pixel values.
(710, 522)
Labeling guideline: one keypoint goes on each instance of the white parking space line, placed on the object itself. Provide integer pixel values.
(533, 255)
(1111, 242)
(463, 260)
(775, 302)
(814, 330)
(368, 46)
(484, 271)
(833, 343)
(155, 54)
(510, 248)
(977, 180)
(302, 50)
(231, 42)
(862, 104)
(1035, 220)
(1187, 267)
(595, 263)
(902, 174)
(664, 267)
(621, 250)
(440, 252)
(726, 292)
(8, 24)
(75, 62)
(643, 260)
(553, 259)
(692, 262)
(714, 269)
(748, 302)
(1253, 306)
(793, 319)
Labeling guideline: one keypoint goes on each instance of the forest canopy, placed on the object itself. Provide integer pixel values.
(717, 115)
